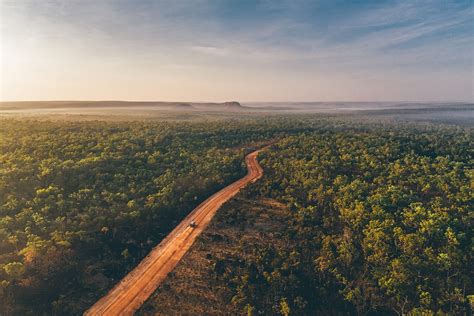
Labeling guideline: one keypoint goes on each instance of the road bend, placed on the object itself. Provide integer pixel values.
(135, 288)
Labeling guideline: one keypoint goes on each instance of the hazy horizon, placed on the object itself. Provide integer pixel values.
(250, 101)
(249, 51)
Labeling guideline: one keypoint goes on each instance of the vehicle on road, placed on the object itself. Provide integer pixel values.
(192, 224)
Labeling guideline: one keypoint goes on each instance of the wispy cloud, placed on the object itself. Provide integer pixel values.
(292, 42)
(210, 50)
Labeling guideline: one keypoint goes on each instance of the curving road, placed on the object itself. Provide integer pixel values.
(130, 293)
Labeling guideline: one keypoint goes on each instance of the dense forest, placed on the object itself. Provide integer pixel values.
(380, 214)
(380, 223)
(82, 202)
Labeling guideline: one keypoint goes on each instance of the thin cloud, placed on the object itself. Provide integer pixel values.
(210, 50)
(282, 43)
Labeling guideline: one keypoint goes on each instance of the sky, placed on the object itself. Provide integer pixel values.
(220, 50)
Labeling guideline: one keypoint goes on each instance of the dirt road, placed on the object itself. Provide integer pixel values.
(130, 293)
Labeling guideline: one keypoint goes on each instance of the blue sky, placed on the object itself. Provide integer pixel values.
(244, 50)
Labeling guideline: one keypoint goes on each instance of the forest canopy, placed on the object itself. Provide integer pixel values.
(380, 213)
(380, 222)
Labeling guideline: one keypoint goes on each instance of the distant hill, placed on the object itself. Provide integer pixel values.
(178, 106)
(452, 113)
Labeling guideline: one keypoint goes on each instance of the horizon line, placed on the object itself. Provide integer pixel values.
(243, 102)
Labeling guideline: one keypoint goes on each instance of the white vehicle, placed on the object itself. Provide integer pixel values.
(192, 224)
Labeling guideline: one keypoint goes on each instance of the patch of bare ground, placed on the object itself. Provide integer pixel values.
(194, 287)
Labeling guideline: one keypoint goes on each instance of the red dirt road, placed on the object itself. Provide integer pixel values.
(132, 291)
